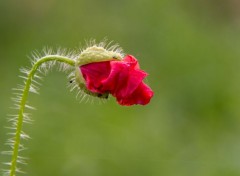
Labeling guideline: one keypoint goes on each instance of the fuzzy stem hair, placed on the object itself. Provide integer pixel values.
(22, 105)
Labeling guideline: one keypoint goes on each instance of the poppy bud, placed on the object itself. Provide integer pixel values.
(100, 72)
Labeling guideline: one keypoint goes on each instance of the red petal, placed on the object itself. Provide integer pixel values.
(142, 95)
(123, 79)
(94, 74)
(132, 61)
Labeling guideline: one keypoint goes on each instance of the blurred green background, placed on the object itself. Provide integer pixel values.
(190, 50)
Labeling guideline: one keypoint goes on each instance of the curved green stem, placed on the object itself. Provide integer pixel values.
(23, 103)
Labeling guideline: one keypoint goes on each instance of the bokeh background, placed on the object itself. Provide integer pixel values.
(190, 50)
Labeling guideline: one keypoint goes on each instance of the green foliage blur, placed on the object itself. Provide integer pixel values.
(190, 50)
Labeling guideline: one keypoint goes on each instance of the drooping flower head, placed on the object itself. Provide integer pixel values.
(100, 72)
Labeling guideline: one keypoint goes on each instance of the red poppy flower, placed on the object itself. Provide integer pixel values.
(123, 79)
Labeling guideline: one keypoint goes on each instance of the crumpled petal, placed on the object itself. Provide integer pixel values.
(141, 95)
(94, 73)
(123, 79)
